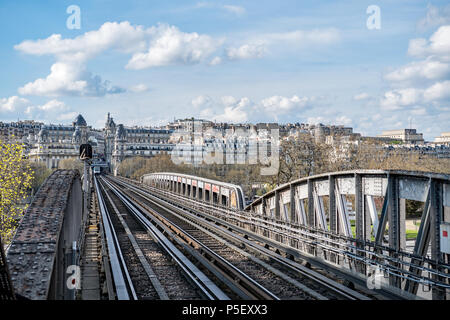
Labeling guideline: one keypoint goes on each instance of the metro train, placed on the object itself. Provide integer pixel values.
(210, 191)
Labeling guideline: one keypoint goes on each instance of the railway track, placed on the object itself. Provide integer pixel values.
(286, 279)
(145, 265)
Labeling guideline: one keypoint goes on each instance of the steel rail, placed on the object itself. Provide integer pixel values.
(122, 281)
(341, 249)
(293, 266)
(239, 281)
(162, 294)
(206, 286)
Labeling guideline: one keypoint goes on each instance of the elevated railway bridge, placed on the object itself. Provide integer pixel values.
(174, 236)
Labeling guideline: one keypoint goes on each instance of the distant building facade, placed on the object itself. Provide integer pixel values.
(404, 135)
(444, 139)
(122, 142)
(54, 143)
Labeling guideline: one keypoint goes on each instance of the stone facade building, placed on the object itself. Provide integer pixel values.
(122, 142)
(54, 143)
(404, 135)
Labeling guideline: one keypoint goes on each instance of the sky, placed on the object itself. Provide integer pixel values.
(372, 65)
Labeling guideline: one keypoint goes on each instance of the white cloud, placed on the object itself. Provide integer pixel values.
(235, 109)
(111, 35)
(13, 103)
(155, 46)
(315, 120)
(229, 109)
(50, 110)
(361, 96)
(215, 61)
(397, 99)
(277, 105)
(68, 76)
(438, 91)
(421, 88)
(53, 105)
(139, 88)
(435, 17)
(159, 45)
(232, 114)
(428, 69)
(201, 101)
(241, 109)
(238, 10)
(419, 111)
(343, 120)
(69, 79)
(304, 37)
(67, 116)
(401, 98)
(246, 51)
(171, 46)
(438, 45)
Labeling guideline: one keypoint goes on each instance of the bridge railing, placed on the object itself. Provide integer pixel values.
(356, 253)
(48, 239)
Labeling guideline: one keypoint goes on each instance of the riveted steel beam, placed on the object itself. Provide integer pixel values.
(332, 205)
(310, 222)
(421, 245)
(436, 215)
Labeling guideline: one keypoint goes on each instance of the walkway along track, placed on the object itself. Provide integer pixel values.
(289, 280)
(144, 263)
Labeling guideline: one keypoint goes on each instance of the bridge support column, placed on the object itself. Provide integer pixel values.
(332, 205)
(362, 221)
(277, 205)
(396, 216)
(421, 245)
(310, 217)
(436, 216)
(293, 214)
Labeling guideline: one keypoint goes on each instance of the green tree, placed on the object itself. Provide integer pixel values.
(16, 178)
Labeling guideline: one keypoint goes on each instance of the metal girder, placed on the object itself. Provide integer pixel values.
(391, 256)
(332, 205)
(359, 209)
(277, 205)
(300, 210)
(344, 226)
(421, 245)
(362, 217)
(384, 217)
(311, 215)
(293, 215)
(436, 214)
(393, 213)
(372, 209)
(319, 211)
(394, 224)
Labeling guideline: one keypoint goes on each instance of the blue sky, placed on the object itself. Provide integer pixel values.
(148, 62)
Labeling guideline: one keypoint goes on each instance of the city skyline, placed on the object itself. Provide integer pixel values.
(240, 62)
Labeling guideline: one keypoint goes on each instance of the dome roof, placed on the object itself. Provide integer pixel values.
(79, 121)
